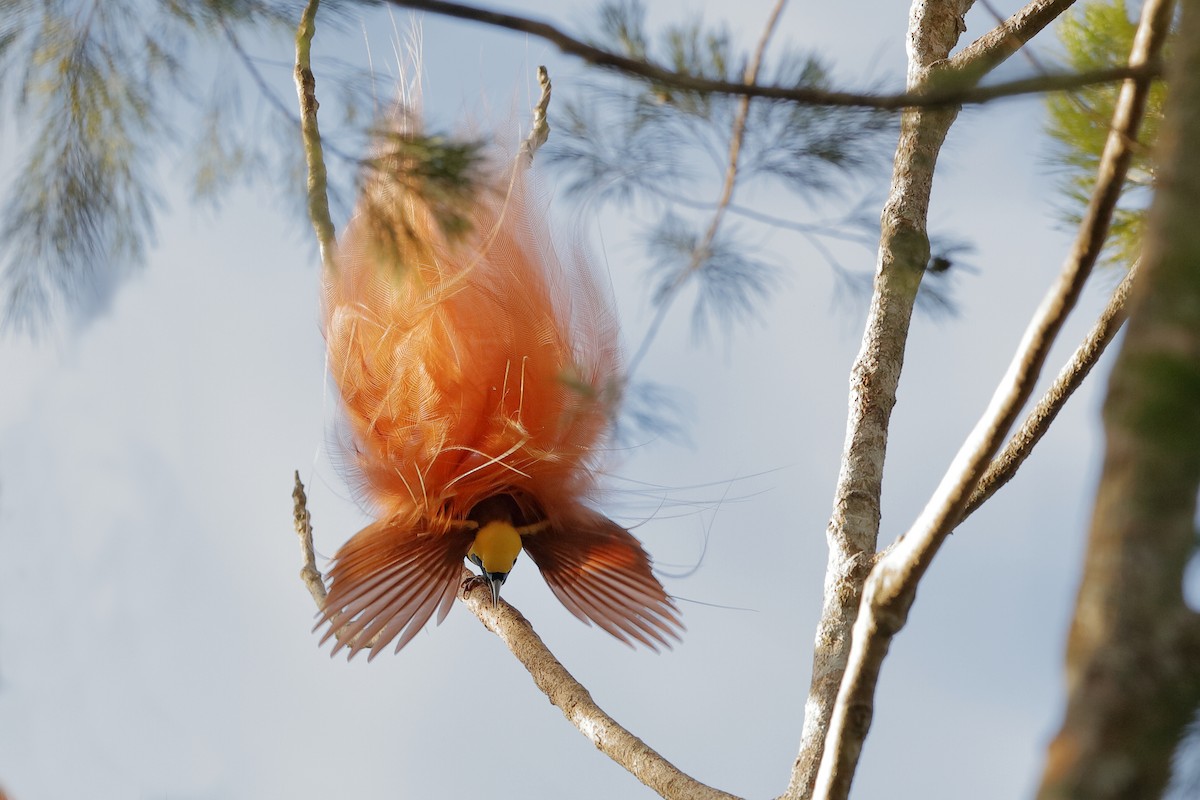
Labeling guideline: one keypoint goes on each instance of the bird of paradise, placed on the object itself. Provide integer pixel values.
(478, 377)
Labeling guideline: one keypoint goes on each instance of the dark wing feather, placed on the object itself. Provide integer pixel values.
(388, 581)
(602, 575)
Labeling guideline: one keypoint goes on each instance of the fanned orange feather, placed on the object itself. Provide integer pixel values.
(470, 370)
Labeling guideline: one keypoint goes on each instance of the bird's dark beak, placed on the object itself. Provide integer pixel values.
(494, 581)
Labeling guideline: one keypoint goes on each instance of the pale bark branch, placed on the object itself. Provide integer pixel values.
(539, 132)
(891, 587)
(928, 96)
(853, 530)
(303, 523)
(576, 703)
(1005, 465)
(318, 182)
(1133, 656)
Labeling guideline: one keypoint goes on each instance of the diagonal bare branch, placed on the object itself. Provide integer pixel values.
(576, 703)
(303, 523)
(1005, 465)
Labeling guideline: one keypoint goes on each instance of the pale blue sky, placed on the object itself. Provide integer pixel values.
(154, 636)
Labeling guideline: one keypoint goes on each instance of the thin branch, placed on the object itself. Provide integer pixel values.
(701, 251)
(1040, 84)
(540, 131)
(929, 97)
(318, 182)
(303, 522)
(891, 587)
(1037, 422)
(576, 703)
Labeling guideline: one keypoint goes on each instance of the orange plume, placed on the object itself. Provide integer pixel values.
(478, 378)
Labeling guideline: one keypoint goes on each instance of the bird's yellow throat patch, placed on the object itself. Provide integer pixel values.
(496, 545)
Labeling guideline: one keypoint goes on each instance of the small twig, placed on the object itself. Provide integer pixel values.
(309, 573)
(303, 521)
(891, 586)
(576, 703)
(701, 252)
(318, 182)
(540, 131)
(950, 95)
(1037, 422)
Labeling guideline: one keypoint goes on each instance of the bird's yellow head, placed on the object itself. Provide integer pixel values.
(495, 549)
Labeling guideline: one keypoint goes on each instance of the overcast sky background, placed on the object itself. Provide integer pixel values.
(155, 638)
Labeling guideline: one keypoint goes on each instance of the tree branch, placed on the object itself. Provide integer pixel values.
(891, 587)
(941, 94)
(539, 132)
(303, 523)
(853, 530)
(1037, 422)
(318, 183)
(576, 703)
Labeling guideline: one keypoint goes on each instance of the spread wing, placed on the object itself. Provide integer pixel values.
(601, 574)
(387, 581)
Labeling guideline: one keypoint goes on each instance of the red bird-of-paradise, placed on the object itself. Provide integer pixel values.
(478, 376)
